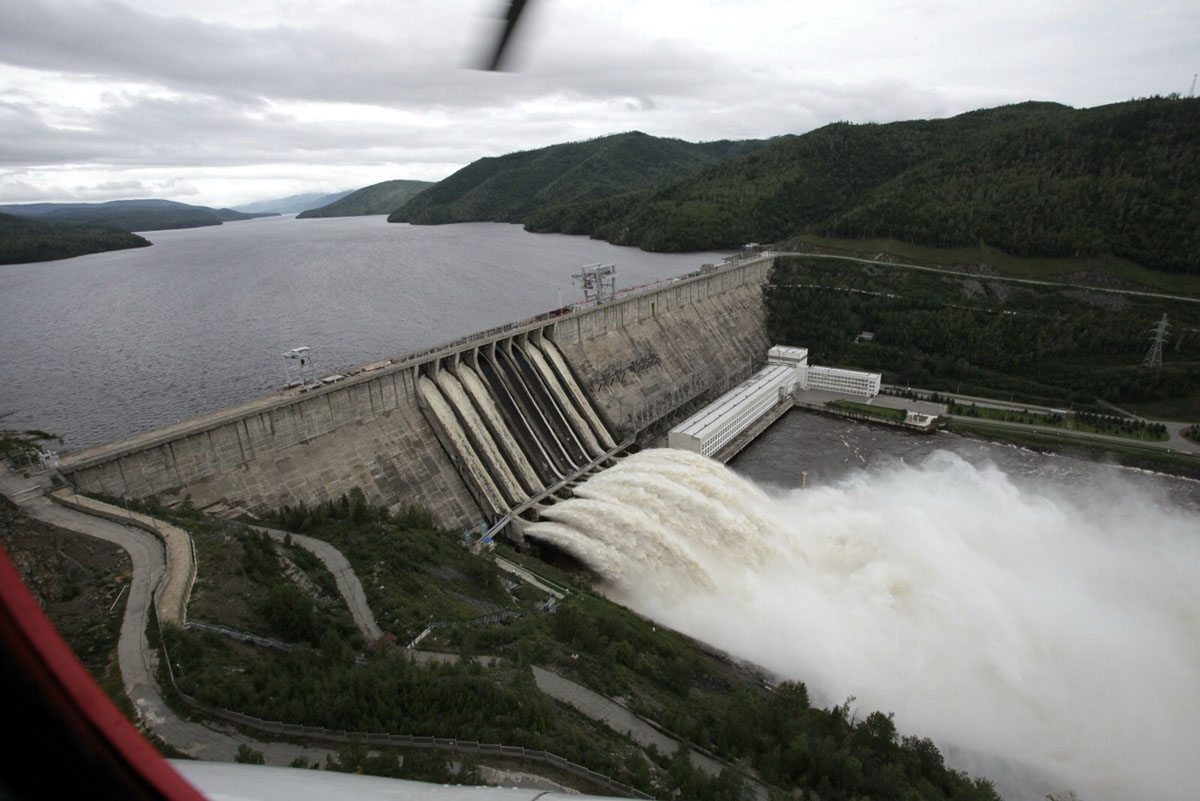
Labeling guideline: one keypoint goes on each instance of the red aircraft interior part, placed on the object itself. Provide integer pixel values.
(68, 737)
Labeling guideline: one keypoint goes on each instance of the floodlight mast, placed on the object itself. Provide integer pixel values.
(599, 282)
(298, 367)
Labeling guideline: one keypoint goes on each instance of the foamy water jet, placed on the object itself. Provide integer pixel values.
(1055, 630)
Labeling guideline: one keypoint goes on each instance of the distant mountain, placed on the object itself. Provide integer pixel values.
(1033, 179)
(381, 198)
(292, 203)
(130, 215)
(27, 239)
(508, 188)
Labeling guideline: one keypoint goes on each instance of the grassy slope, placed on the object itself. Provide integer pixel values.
(381, 198)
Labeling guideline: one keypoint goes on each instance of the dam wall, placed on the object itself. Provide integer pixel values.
(654, 357)
(643, 358)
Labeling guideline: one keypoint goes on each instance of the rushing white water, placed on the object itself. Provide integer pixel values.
(598, 426)
(499, 468)
(1044, 631)
(578, 426)
(483, 400)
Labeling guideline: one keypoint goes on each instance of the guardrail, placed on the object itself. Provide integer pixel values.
(406, 741)
(241, 636)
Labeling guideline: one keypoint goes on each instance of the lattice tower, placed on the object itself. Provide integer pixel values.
(1154, 355)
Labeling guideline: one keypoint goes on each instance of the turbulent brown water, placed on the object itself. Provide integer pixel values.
(1038, 617)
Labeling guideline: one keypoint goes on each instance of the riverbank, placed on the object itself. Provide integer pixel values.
(1132, 455)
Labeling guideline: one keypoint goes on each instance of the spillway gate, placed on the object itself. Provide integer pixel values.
(516, 423)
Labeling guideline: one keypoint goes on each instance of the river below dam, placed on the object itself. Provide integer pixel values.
(1038, 617)
(101, 346)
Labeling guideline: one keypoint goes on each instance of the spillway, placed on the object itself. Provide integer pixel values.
(468, 460)
(500, 430)
(577, 424)
(580, 398)
(512, 425)
(481, 438)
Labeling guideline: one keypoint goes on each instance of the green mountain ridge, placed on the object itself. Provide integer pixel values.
(26, 239)
(510, 187)
(131, 215)
(1032, 179)
(381, 198)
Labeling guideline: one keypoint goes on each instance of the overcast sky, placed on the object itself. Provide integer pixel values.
(220, 102)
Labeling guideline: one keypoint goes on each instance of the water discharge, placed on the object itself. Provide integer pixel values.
(496, 424)
(499, 469)
(560, 364)
(462, 444)
(578, 426)
(1044, 635)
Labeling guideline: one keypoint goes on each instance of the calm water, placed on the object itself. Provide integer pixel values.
(100, 346)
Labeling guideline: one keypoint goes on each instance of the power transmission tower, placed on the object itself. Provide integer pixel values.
(1154, 355)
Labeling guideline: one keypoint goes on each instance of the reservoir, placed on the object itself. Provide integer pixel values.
(101, 346)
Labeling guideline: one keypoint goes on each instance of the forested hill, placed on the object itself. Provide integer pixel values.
(508, 188)
(23, 239)
(380, 198)
(131, 215)
(1034, 179)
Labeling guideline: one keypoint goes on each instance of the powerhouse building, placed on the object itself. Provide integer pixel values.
(714, 426)
(710, 429)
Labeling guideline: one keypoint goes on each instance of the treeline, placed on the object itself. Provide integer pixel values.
(508, 188)
(352, 507)
(778, 732)
(23, 239)
(130, 215)
(1034, 179)
(1043, 346)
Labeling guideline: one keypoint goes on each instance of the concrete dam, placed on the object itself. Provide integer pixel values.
(500, 422)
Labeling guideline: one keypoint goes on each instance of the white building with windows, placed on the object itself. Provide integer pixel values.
(710, 429)
(714, 426)
(845, 382)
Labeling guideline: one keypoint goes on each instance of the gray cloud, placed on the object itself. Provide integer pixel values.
(324, 88)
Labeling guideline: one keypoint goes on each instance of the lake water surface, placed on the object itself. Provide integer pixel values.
(100, 346)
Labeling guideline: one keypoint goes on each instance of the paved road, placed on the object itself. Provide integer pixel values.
(347, 582)
(137, 661)
(992, 276)
(181, 561)
(619, 718)
(513, 567)
(1175, 440)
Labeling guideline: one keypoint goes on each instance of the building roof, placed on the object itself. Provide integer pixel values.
(711, 416)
